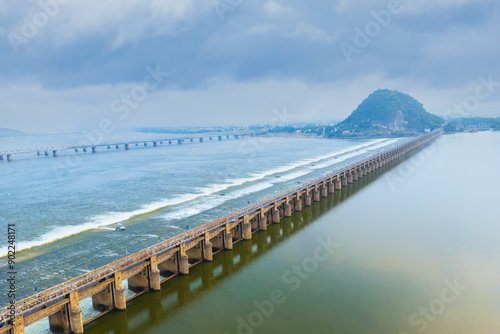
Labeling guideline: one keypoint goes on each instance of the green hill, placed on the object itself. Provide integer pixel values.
(390, 112)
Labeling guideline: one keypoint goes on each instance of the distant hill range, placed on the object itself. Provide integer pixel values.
(388, 112)
(9, 132)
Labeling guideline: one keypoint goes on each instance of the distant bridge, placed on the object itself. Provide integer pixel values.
(147, 269)
(126, 144)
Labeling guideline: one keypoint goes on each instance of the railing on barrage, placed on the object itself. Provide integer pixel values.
(59, 291)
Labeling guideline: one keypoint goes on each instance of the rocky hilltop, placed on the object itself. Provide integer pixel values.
(389, 112)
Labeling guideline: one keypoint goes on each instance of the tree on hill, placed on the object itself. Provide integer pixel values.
(390, 111)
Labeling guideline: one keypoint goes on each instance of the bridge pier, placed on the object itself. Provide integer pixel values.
(316, 194)
(179, 142)
(263, 221)
(155, 143)
(354, 175)
(308, 201)
(247, 228)
(46, 153)
(108, 147)
(288, 208)
(344, 180)
(9, 157)
(324, 190)
(69, 318)
(94, 149)
(127, 147)
(228, 238)
(119, 290)
(54, 153)
(84, 150)
(201, 140)
(338, 183)
(349, 178)
(298, 203)
(170, 142)
(1, 157)
(220, 138)
(145, 144)
(18, 325)
(37, 153)
(276, 214)
(208, 254)
(154, 274)
(331, 187)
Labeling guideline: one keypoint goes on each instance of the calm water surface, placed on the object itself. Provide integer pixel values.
(416, 244)
(404, 237)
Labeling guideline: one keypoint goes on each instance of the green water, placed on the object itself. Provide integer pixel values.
(403, 235)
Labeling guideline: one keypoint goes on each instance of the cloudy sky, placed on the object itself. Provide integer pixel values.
(74, 64)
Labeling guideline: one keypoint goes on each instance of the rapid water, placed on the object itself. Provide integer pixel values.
(66, 208)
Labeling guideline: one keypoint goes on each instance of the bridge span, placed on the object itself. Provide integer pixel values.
(8, 154)
(149, 268)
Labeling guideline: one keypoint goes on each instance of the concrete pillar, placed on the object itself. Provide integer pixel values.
(316, 194)
(1, 157)
(360, 173)
(155, 143)
(288, 208)
(308, 196)
(298, 203)
(338, 183)
(9, 157)
(344, 180)
(40, 153)
(364, 170)
(118, 146)
(263, 221)
(145, 144)
(191, 140)
(208, 254)
(94, 149)
(349, 177)
(276, 214)
(183, 260)
(354, 175)
(228, 238)
(47, 152)
(75, 313)
(108, 147)
(331, 187)
(18, 325)
(170, 142)
(201, 140)
(179, 142)
(154, 274)
(127, 146)
(247, 228)
(210, 138)
(120, 300)
(220, 138)
(103, 300)
(324, 190)
(54, 153)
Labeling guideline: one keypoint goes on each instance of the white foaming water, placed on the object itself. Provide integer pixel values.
(105, 220)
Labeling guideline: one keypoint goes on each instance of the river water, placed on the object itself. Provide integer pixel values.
(412, 248)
